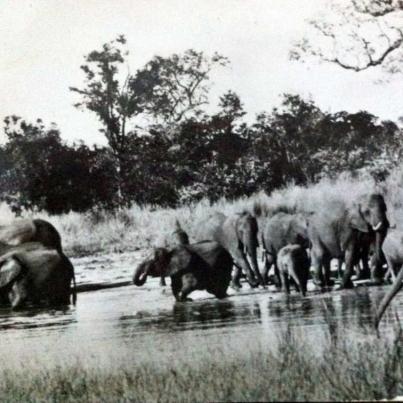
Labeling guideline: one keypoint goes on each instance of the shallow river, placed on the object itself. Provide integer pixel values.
(146, 319)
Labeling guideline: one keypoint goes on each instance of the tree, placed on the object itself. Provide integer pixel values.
(176, 87)
(357, 35)
(41, 172)
(107, 94)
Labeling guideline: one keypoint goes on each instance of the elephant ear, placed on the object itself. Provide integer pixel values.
(357, 220)
(161, 258)
(181, 261)
(10, 270)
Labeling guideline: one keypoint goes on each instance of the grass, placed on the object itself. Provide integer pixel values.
(346, 368)
(143, 227)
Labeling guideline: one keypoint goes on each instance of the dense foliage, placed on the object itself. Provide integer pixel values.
(165, 149)
(211, 156)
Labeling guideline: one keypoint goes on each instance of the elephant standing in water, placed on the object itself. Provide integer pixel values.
(180, 237)
(199, 266)
(293, 263)
(31, 230)
(336, 231)
(32, 273)
(238, 235)
(393, 251)
(280, 230)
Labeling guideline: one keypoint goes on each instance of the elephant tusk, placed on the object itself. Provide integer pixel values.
(377, 227)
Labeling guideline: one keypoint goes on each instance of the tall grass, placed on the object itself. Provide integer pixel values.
(347, 368)
(142, 227)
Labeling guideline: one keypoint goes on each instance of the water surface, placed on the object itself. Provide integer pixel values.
(145, 320)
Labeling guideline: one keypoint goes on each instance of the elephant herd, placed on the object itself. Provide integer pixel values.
(35, 270)
(225, 249)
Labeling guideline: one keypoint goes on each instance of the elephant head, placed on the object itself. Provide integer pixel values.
(155, 265)
(179, 235)
(247, 233)
(374, 212)
(396, 287)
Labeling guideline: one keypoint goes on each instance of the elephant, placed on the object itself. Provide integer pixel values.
(336, 232)
(31, 230)
(293, 262)
(180, 237)
(198, 266)
(393, 250)
(34, 274)
(236, 233)
(280, 230)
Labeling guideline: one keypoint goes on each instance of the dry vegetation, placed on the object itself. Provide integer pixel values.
(347, 368)
(100, 231)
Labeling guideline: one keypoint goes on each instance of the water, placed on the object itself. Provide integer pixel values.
(144, 320)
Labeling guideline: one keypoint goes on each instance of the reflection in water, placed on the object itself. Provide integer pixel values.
(132, 317)
(36, 318)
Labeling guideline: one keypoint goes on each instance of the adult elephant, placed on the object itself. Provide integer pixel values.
(31, 273)
(336, 231)
(280, 230)
(31, 230)
(393, 250)
(199, 266)
(236, 233)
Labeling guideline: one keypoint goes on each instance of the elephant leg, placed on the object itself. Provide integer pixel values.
(242, 262)
(189, 284)
(348, 272)
(317, 261)
(162, 281)
(297, 282)
(176, 285)
(326, 271)
(267, 265)
(365, 272)
(285, 282)
(339, 268)
(17, 295)
(236, 277)
(277, 277)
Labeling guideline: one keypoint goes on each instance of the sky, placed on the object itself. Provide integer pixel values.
(43, 43)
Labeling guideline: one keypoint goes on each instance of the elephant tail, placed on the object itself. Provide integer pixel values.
(74, 289)
(73, 286)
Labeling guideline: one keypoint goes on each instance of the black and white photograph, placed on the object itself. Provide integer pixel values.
(201, 200)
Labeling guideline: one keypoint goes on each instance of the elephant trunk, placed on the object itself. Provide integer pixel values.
(379, 238)
(251, 250)
(396, 287)
(140, 275)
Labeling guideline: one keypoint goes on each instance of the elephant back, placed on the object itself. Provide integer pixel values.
(210, 227)
(283, 229)
(17, 232)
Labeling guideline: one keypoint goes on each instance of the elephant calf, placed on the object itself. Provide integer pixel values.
(280, 230)
(198, 266)
(293, 263)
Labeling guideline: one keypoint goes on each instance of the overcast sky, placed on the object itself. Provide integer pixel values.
(43, 43)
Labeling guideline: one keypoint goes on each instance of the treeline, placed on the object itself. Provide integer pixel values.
(203, 156)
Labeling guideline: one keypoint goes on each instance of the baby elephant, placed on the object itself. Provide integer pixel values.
(199, 266)
(293, 262)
